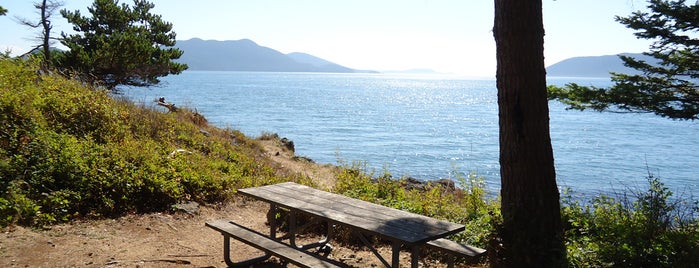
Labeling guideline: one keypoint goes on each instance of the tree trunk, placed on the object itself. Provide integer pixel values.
(532, 234)
(46, 32)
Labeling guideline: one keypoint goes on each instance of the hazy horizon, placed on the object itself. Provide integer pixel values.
(448, 36)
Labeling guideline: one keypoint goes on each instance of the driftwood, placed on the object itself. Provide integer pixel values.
(170, 106)
(172, 155)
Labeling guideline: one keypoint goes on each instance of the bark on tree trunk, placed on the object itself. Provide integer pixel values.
(532, 234)
(46, 34)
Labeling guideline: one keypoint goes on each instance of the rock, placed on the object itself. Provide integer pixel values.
(411, 183)
(446, 184)
(288, 144)
(303, 159)
(190, 207)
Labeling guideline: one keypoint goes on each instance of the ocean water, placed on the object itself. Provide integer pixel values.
(434, 126)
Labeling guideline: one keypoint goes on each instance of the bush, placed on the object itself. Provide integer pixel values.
(70, 151)
(468, 204)
(649, 229)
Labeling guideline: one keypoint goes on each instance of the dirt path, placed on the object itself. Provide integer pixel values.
(153, 240)
(165, 240)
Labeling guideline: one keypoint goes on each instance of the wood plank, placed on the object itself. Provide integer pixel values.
(397, 224)
(362, 224)
(456, 248)
(267, 244)
(355, 207)
(325, 204)
(374, 209)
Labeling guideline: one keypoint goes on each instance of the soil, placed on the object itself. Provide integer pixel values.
(177, 239)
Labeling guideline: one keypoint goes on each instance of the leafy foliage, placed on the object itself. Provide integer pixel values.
(67, 151)
(667, 87)
(120, 45)
(649, 230)
(468, 205)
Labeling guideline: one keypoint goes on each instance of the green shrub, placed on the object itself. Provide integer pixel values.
(69, 151)
(648, 229)
(468, 205)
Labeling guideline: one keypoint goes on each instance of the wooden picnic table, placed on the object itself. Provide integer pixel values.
(403, 229)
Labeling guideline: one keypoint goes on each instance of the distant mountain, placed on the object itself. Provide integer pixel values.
(318, 62)
(246, 55)
(414, 71)
(595, 66)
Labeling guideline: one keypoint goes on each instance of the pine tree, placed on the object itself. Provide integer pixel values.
(667, 86)
(532, 231)
(120, 45)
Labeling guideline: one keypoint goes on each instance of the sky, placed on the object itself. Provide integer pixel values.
(450, 36)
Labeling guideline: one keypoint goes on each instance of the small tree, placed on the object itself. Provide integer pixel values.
(667, 87)
(45, 8)
(3, 11)
(121, 45)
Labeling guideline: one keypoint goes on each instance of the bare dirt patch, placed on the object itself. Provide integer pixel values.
(169, 239)
(291, 164)
(153, 240)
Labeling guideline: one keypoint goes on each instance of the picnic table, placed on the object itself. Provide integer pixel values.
(403, 229)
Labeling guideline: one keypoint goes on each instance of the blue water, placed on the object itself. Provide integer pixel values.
(432, 127)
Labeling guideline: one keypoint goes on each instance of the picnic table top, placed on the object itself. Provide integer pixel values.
(409, 228)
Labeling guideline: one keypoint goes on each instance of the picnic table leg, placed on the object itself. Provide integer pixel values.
(325, 243)
(396, 254)
(293, 229)
(376, 252)
(414, 256)
(272, 220)
(245, 263)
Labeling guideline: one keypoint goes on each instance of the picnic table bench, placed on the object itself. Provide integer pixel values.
(270, 246)
(403, 229)
(455, 249)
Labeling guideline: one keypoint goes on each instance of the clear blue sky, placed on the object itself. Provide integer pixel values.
(445, 35)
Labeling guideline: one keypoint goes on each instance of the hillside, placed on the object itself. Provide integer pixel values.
(104, 181)
(319, 63)
(246, 55)
(69, 152)
(592, 66)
